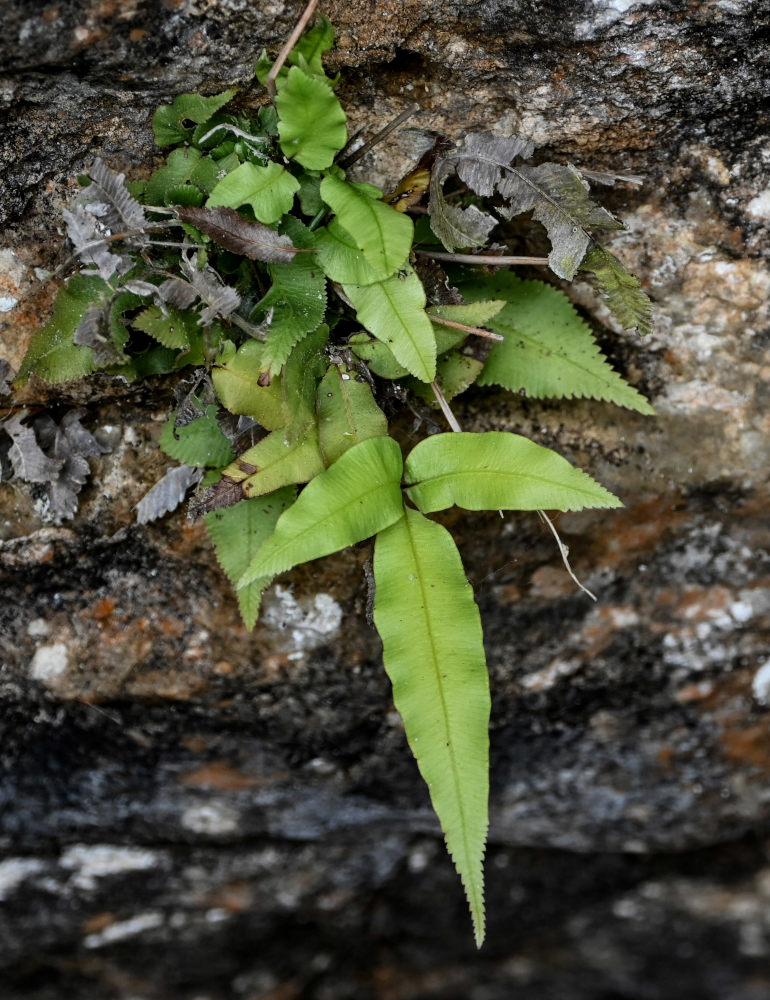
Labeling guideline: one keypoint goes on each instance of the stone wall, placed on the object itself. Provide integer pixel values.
(192, 812)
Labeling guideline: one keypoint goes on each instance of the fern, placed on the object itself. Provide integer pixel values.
(311, 310)
(547, 350)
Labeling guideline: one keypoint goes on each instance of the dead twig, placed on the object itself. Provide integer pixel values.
(292, 40)
(351, 158)
(488, 260)
(477, 330)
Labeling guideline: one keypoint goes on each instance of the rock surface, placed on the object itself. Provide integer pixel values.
(192, 812)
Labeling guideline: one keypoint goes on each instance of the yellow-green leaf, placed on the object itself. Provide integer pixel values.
(239, 387)
(382, 234)
(352, 500)
(269, 190)
(238, 533)
(497, 471)
(394, 311)
(434, 655)
(347, 413)
(311, 122)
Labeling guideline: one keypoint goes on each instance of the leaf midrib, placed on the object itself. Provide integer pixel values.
(478, 906)
(405, 326)
(475, 473)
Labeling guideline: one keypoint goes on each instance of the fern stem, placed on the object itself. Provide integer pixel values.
(468, 329)
(488, 260)
(451, 419)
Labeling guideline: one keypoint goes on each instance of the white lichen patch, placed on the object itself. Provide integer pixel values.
(11, 278)
(212, 819)
(307, 623)
(49, 663)
(123, 929)
(607, 12)
(760, 684)
(759, 207)
(38, 628)
(14, 872)
(90, 862)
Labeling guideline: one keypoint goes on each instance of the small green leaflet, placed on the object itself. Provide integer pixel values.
(312, 45)
(470, 313)
(378, 357)
(434, 655)
(183, 166)
(341, 259)
(497, 471)
(171, 330)
(311, 122)
(304, 368)
(621, 290)
(383, 235)
(352, 500)
(51, 354)
(269, 190)
(237, 533)
(167, 120)
(280, 461)
(185, 194)
(347, 413)
(158, 360)
(394, 311)
(310, 194)
(200, 443)
(238, 387)
(548, 350)
(297, 297)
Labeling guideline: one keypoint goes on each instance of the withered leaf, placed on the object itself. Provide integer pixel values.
(80, 439)
(87, 234)
(123, 211)
(230, 230)
(28, 459)
(480, 157)
(177, 293)
(92, 331)
(226, 493)
(221, 300)
(167, 493)
(64, 488)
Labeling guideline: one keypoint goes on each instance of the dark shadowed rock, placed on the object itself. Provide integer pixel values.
(192, 812)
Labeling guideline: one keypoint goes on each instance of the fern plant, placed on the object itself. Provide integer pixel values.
(294, 294)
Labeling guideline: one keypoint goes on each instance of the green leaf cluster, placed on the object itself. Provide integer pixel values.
(291, 295)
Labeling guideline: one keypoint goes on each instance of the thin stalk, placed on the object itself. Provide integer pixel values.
(292, 40)
(488, 260)
(564, 553)
(477, 330)
(351, 158)
(451, 419)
